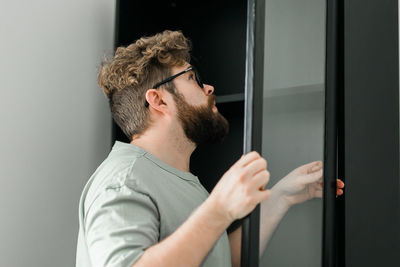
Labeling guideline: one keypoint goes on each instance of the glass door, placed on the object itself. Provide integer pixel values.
(321, 89)
(293, 120)
(285, 120)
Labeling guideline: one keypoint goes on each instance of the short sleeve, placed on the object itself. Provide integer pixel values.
(119, 225)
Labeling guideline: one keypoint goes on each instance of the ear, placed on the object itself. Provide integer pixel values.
(155, 99)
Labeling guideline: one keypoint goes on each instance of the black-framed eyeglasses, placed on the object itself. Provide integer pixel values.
(196, 73)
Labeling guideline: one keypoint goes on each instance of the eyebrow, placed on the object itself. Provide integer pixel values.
(192, 72)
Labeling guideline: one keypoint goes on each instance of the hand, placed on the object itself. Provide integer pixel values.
(304, 183)
(241, 188)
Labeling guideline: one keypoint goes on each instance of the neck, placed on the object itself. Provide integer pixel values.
(171, 147)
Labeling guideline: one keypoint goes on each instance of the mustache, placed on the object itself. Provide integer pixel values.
(211, 100)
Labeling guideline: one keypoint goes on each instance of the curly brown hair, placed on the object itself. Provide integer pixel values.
(125, 77)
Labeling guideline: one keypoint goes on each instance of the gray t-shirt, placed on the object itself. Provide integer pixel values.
(133, 201)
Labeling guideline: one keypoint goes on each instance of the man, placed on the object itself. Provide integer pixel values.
(142, 206)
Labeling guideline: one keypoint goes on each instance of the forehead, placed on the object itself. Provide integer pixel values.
(177, 69)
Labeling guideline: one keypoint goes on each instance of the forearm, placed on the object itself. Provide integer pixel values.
(235, 243)
(271, 213)
(190, 243)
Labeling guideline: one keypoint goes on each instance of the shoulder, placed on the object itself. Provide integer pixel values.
(117, 171)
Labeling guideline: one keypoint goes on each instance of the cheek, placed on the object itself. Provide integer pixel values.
(201, 103)
(202, 99)
(195, 97)
(197, 100)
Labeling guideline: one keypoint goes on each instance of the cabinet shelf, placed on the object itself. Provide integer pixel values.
(308, 89)
(230, 98)
(303, 90)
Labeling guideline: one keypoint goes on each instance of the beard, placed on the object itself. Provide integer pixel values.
(201, 124)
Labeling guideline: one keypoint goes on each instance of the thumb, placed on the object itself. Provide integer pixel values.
(264, 194)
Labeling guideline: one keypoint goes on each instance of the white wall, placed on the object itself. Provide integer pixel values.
(55, 123)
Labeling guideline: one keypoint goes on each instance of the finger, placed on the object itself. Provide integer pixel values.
(248, 158)
(314, 166)
(339, 192)
(340, 183)
(306, 167)
(313, 177)
(260, 180)
(255, 167)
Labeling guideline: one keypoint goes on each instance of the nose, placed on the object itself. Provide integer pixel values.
(208, 89)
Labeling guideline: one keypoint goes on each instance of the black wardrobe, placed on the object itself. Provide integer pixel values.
(299, 81)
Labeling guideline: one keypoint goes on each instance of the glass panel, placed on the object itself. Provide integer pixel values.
(293, 120)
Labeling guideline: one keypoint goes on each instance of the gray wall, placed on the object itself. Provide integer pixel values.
(55, 123)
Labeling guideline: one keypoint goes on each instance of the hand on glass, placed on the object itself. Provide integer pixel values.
(304, 183)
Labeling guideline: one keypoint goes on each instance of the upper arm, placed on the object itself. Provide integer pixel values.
(119, 226)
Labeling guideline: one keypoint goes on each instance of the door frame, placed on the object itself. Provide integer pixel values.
(254, 84)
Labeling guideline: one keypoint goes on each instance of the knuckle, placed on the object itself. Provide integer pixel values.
(247, 191)
(255, 153)
(242, 176)
(249, 201)
(264, 162)
(266, 177)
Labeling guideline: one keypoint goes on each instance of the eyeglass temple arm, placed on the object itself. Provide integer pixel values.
(172, 77)
(167, 80)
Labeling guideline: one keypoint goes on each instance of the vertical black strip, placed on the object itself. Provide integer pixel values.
(333, 72)
(247, 228)
(254, 86)
(340, 202)
(116, 25)
(114, 127)
(372, 133)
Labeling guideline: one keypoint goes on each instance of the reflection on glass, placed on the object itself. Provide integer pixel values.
(293, 120)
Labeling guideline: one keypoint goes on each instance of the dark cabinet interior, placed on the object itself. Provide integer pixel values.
(217, 30)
